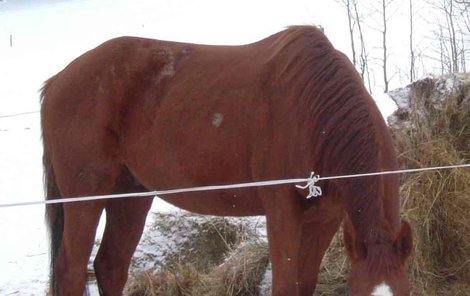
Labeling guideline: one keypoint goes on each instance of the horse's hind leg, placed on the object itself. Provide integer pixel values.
(81, 220)
(125, 219)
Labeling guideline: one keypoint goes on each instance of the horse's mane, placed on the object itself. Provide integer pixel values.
(322, 81)
(348, 134)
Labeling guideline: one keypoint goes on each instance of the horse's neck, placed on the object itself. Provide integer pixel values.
(372, 208)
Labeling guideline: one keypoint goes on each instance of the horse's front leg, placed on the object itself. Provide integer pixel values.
(315, 240)
(283, 216)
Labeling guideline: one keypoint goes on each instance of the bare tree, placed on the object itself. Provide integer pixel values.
(360, 60)
(448, 7)
(364, 61)
(463, 64)
(385, 4)
(453, 32)
(351, 25)
(412, 52)
(444, 54)
(464, 8)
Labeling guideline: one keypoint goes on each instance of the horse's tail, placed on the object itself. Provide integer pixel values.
(54, 212)
(54, 217)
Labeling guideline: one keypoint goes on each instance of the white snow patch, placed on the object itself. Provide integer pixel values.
(401, 97)
(385, 104)
(422, 96)
(266, 284)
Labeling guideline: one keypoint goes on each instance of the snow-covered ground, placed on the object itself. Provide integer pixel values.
(46, 35)
(24, 263)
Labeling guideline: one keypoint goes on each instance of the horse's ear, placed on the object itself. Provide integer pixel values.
(404, 243)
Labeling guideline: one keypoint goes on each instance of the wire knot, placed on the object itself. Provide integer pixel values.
(313, 191)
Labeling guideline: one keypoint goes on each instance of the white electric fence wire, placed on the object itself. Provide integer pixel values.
(18, 114)
(310, 183)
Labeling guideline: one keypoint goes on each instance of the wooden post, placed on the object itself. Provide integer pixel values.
(11, 40)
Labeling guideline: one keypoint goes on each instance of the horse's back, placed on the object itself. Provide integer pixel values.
(175, 114)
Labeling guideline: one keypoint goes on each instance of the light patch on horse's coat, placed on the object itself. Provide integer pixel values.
(382, 290)
(217, 119)
(168, 69)
(112, 70)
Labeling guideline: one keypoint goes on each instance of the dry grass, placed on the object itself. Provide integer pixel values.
(437, 204)
(240, 275)
(176, 281)
(222, 259)
(197, 240)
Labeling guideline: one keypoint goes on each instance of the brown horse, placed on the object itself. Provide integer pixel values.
(137, 114)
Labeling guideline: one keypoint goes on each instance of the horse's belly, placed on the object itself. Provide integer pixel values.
(221, 203)
(171, 158)
(194, 139)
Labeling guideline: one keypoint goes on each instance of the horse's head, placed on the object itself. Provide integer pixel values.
(379, 269)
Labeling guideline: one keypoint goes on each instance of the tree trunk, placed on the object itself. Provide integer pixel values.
(384, 44)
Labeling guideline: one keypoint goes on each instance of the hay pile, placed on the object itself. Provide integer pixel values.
(432, 128)
(200, 256)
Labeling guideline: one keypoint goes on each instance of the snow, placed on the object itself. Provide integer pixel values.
(401, 97)
(425, 94)
(385, 104)
(176, 231)
(265, 286)
(23, 257)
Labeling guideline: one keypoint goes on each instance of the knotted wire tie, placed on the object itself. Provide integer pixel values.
(313, 191)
